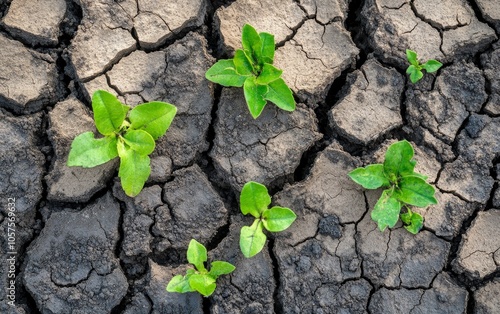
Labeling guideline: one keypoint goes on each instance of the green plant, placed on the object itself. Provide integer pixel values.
(201, 279)
(253, 69)
(254, 200)
(404, 187)
(415, 68)
(131, 139)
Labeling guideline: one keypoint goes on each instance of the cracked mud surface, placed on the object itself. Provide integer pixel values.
(83, 246)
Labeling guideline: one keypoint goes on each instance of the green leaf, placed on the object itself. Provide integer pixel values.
(179, 284)
(398, 159)
(252, 239)
(242, 64)
(134, 169)
(254, 96)
(386, 211)
(413, 221)
(268, 74)
(86, 151)
(415, 191)
(416, 75)
(268, 47)
(251, 42)
(406, 217)
(254, 199)
(412, 57)
(421, 176)
(153, 117)
(432, 66)
(109, 112)
(278, 218)
(280, 95)
(371, 177)
(197, 254)
(411, 69)
(417, 222)
(204, 284)
(218, 268)
(224, 73)
(140, 141)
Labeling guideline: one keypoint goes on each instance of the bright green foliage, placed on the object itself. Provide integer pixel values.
(252, 239)
(255, 200)
(413, 221)
(201, 279)
(403, 185)
(386, 211)
(224, 73)
(370, 177)
(109, 113)
(132, 140)
(134, 169)
(153, 117)
(140, 141)
(254, 95)
(90, 152)
(197, 254)
(252, 67)
(415, 68)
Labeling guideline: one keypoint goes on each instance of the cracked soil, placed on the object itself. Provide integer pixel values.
(82, 246)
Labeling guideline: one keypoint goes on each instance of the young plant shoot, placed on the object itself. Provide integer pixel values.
(131, 139)
(255, 200)
(404, 187)
(415, 68)
(252, 67)
(201, 279)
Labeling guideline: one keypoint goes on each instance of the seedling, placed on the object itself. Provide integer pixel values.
(415, 68)
(404, 187)
(131, 139)
(254, 200)
(253, 69)
(201, 279)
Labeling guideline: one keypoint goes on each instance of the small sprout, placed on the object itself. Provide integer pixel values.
(131, 139)
(201, 279)
(255, 200)
(253, 69)
(415, 68)
(404, 187)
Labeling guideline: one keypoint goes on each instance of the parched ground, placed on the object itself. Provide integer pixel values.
(83, 246)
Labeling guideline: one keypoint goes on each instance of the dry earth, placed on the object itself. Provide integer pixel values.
(84, 247)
